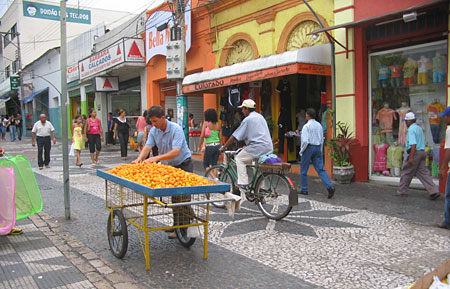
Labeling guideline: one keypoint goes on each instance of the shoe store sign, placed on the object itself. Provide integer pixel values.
(51, 12)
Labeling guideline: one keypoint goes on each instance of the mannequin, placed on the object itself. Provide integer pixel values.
(409, 71)
(439, 64)
(433, 111)
(385, 117)
(424, 65)
(402, 129)
(383, 75)
(396, 75)
(394, 159)
(380, 164)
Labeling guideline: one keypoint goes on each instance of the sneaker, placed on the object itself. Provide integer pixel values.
(331, 192)
(443, 226)
(398, 194)
(41, 168)
(245, 188)
(303, 192)
(435, 196)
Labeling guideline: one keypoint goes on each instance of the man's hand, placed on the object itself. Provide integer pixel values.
(85, 139)
(33, 143)
(222, 149)
(411, 160)
(54, 140)
(151, 160)
(136, 161)
(441, 173)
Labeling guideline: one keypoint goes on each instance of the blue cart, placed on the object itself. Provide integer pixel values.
(183, 209)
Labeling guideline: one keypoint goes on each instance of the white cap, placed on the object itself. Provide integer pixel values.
(409, 116)
(248, 103)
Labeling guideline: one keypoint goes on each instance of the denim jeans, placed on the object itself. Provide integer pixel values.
(447, 204)
(12, 132)
(19, 132)
(435, 131)
(313, 153)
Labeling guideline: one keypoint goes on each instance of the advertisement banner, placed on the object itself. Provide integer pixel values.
(106, 83)
(103, 60)
(72, 73)
(51, 12)
(134, 50)
(156, 41)
(182, 115)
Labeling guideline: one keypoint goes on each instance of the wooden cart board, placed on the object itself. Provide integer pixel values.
(217, 187)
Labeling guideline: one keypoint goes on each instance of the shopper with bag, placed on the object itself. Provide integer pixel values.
(77, 138)
(93, 134)
(41, 133)
(212, 134)
(7, 206)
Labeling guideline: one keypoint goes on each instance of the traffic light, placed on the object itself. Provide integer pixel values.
(175, 59)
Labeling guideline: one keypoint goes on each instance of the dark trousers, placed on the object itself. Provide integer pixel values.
(123, 139)
(419, 170)
(181, 215)
(44, 144)
(19, 132)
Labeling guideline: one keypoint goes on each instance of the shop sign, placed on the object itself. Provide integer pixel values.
(51, 12)
(72, 73)
(103, 60)
(106, 83)
(259, 75)
(134, 50)
(14, 82)
(156, 41)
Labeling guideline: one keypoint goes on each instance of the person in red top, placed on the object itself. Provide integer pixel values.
(93, 134)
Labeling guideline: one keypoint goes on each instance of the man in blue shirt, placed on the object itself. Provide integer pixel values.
(415, 162)
(255, 133)
(311, 151)
(173, 150)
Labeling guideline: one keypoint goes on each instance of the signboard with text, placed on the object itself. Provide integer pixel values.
(155, 40)
(14, 81)
(72, 73)
(102, 60)
(51, 12)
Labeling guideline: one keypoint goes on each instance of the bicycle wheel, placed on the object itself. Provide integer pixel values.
(219, 173)
(118, 234)
(185, 241)
(272, 192)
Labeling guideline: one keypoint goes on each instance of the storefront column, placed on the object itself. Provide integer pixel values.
(100, 104)
(84, 104)
(209, 101)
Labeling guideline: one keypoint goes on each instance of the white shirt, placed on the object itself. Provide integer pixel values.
(447, 140)
(312, 134)
(42, 130)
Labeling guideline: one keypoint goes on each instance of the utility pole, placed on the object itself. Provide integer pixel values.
(65, 151)
(22, 93)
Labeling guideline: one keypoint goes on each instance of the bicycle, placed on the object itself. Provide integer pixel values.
(271, 189)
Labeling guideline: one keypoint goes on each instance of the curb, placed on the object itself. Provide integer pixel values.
(96, 269)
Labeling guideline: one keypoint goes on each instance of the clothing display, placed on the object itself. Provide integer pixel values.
(433, 111)
(439, 66)
(383, 75)
(284, 89)
(234, 96)
(394, 159)
(396, 75)
(424, 65)
(402, 129)
(380, 163)
(409, 71)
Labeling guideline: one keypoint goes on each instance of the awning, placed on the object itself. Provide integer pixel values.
(309, 60)
(31, 96)
(379, 17)
(4, 100)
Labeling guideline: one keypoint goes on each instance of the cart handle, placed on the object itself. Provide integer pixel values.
(198, 202)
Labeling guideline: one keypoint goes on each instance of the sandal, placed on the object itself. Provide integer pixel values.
(16, 231)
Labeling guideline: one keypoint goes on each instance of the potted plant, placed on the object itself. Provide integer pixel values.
(343, 170)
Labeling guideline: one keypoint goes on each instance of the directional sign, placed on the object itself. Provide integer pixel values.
(14, 81)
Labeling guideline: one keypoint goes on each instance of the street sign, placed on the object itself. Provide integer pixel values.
(51, 12)
(14, 81)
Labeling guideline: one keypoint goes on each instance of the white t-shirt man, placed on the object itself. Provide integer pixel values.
(43, 130)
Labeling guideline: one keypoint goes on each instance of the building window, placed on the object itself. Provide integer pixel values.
(5, 40)
(7, 71)
(15, 67)
(403, 80)
(13, 31)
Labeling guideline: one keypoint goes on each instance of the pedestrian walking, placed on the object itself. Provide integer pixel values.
(77, 138)
(212, 134)
(122, 129)
(141, 123)
(19, 126)
(173, 150)
(110, 139)
(311, 151)
(5, 122)
(93, 134)
(2, 128)
(445, 164)
(415, 161)
(41, 132)
(12, 128)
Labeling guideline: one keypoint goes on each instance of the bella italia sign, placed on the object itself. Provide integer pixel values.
(51, 12)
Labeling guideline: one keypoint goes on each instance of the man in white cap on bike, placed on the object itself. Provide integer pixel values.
(255, 133)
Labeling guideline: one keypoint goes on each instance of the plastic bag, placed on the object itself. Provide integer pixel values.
(7, 206)
(132, 143)
(437, 284)
(72, 150)
(28, 198)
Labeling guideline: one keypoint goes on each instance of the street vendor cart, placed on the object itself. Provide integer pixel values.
(183, 209)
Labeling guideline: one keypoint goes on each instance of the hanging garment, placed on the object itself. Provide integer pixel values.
(380, 163)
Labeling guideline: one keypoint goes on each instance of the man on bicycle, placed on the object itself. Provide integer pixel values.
(255, 133)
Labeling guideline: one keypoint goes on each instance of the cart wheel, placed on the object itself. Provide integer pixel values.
(183, 238)
(118, 234)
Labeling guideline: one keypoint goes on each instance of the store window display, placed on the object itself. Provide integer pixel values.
(408, 79)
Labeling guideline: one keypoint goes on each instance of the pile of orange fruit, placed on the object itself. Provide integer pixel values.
(158, 175)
